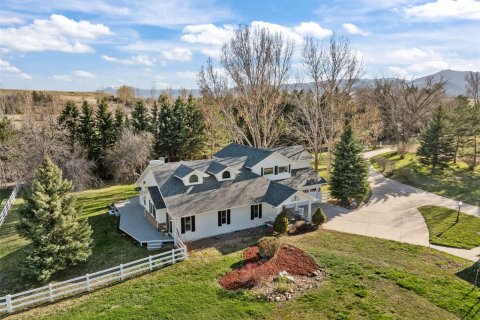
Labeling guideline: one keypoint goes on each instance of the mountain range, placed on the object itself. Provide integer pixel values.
(455, 84)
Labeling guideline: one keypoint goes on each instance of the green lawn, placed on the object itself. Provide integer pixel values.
(110, 248)
(367, 278)
(455, 182)
(444, 230)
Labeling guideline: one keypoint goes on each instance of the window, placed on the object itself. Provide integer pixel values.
(223, 217)
(282, 169)
(305, 191)
(226, 175)
(256, 211)
(267, 171)
(193, 178)
(151, 208)
(313, 190)
(188, 224)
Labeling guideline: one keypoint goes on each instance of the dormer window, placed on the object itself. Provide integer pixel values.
(193, 178)
(226, 175)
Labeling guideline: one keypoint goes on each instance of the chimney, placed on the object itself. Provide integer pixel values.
(158, 162)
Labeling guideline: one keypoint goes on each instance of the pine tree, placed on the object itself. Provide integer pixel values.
(70, 120)
(437, 142)
(181, 130)
(105, 127)
(140, 119)
(154, 118)
(348, 181)
(88, 134)
(49, 220)
(119, 122)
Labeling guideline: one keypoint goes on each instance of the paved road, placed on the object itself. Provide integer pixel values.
(392, 213)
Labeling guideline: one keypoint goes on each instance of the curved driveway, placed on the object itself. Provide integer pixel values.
(392, 213)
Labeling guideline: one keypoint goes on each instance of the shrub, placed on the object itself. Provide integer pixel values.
(319, 217)
(405, 174)
(268, 246)
(281, 223)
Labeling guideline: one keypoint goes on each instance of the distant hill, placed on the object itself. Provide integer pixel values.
(455, 81)
(455, 85)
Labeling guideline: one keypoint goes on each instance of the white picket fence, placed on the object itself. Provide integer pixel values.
(92, 281)
(9, 203)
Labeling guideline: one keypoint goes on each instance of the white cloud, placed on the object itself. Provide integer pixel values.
(84, 74)
(133, 60)
(312, 29)
(410, 55)
(178, 53)
(62, 77)
(4, 20)
(207, 34)
(445, 9)
(58, 33)
(5, 66)
(353, 29)
(209, 38)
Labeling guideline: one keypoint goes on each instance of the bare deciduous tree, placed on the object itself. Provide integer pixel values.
(257, 62)
(407, 106)
(334, 69)
(126, 94)
(130, 155)
(37, 139)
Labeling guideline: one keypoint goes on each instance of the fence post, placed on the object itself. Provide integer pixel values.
(121, 272)
(50, 292)
(9, 303)
(173, 256)
(87, 276)
(150, 262)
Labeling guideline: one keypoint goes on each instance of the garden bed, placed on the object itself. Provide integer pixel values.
(259, 273)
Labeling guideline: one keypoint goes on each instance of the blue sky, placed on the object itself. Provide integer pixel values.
(85, 45)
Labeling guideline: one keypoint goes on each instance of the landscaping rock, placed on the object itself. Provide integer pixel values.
(290, 279)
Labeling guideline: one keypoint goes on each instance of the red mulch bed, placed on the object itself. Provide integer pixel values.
(288, 258)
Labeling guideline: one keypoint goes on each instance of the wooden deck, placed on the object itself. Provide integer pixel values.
(134, 223)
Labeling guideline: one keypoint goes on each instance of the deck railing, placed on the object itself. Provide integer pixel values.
(90, 282)
(8, 204)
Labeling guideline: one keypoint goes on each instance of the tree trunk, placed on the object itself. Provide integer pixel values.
(456, 151)
(474, 152)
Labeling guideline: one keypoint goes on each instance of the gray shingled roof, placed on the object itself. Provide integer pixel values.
(303, 178)
(295, 153)
(182, 171)
(247, 188)
(216, 167)
(278, 193)
(156, 197)
(254, 155)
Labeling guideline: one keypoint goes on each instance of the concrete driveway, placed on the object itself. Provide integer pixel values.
(392, 213)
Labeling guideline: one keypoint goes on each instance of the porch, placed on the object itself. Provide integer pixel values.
(134, 223)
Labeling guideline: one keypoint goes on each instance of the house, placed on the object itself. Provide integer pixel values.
(239, 188)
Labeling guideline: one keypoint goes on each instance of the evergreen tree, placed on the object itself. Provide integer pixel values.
(119, 122)
(49, 220)
(140, 119)
(154, 118)
(348, 181)
(105, 127)
(88, 133)
(106, 135)
(437, 142)
(70, 120)
(181, 130)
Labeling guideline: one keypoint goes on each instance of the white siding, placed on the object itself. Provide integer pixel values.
(206, 224)
(301, 164)
(270, 162)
